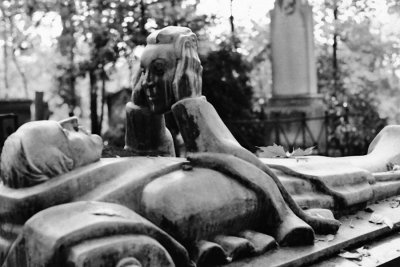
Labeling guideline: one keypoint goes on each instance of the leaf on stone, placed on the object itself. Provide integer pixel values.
(300, 152)
(272, 152)
(388, 222)
(392, 167)
(377, 218)
(324, 238)
(363, 251)
(351, 255)
(106, 212)
(369, 210)
(330, 238)
(351, 224)
(394, 204)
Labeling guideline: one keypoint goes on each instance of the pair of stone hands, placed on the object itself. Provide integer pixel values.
(147, 133)
(170, 94)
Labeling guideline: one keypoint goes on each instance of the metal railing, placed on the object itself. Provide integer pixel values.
(301, 132)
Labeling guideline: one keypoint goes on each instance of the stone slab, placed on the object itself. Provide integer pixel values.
(355, 231)
(383, 252)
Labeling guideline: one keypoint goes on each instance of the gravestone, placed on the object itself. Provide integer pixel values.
(294, 89)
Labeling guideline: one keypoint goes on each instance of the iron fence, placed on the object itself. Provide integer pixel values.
(329, 134)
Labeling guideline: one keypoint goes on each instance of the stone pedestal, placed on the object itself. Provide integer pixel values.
(297, 122)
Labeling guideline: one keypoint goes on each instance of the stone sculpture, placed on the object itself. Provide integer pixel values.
(161, 86)
(219, 204)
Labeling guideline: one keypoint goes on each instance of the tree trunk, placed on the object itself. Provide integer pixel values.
(66, 45)
(5, 52)
(93, 102)
(334, 49)
(103, 97)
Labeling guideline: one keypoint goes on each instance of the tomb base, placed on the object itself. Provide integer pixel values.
(297, 121)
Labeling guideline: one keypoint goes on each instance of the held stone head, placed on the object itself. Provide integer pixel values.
(170, 69)
(40, 150)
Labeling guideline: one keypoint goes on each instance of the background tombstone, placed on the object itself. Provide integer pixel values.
(294, 88)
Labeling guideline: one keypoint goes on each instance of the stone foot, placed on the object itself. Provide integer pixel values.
(209, 254)
(224, 249)
(235, 247)
(261, 242)
(294, 232)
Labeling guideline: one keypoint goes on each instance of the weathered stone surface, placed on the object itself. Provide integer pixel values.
(222, 201)
(119, 250)
(356, 231)
(49, 233)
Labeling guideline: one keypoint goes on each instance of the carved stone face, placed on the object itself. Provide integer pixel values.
(41, 150)
(158, 64)
(85, 148)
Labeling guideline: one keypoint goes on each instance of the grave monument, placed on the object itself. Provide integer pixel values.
(61, 205)
(294, 75)
(293, 60)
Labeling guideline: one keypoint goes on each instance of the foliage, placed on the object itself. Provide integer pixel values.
(365, 64)
(226, 85)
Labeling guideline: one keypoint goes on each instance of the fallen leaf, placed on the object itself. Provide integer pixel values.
(279, 151)
(377, 218)
(369, 210)
(272, 152)
(394, 205)
(363, 251)
(388, 222)
(324, 238)
(300, 152)
(351, 224)
(106, 212)
(351, 255)
(330, 238)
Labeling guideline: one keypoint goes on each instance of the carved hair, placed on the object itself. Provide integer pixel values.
(188, 74)
(36, 152)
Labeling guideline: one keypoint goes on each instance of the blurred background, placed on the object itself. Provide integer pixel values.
(77, 58)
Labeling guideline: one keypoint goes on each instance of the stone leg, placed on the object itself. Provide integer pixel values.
(276, 218)
(204, 131)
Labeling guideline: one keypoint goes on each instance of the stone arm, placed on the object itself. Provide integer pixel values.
(203, 131)
(146, 132)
